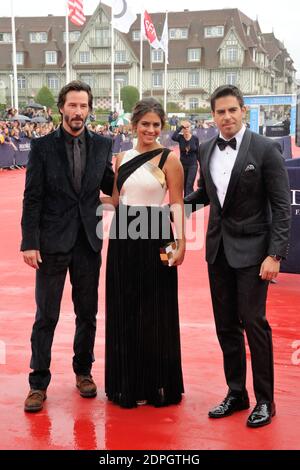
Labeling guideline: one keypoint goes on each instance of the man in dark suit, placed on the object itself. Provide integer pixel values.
(65, 173)
(244, 180)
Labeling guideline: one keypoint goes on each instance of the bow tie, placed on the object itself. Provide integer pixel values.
(222, 144)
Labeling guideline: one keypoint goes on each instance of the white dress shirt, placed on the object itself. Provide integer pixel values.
(222, 163)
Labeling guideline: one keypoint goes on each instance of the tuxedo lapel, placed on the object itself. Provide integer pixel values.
(210, 185)
(238, 167)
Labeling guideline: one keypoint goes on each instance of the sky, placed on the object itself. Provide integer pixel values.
(282, 17)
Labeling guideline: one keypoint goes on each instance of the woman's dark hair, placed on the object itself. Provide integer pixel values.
(147, 105)
(226, 90)
(76, 85)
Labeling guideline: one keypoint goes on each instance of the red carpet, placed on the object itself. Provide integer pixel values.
(295, 149)
(70, 422)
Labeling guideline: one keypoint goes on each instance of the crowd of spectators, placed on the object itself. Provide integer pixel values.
(40, 122)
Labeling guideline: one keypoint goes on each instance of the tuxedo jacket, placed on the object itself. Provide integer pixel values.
(52, 209)
(254, 221)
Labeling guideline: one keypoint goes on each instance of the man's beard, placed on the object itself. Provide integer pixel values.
(75, 127)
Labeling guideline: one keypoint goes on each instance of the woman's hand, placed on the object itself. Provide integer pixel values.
(179, 255)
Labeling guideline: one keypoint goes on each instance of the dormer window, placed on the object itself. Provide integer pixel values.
(214, 31)
(39, 37)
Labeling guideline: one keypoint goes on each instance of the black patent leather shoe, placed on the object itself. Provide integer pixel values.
(230, 405)
(261, 415)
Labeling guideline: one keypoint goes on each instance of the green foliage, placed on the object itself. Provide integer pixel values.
(129, 96)
(173, 108)
(45, 97)
(56, 119)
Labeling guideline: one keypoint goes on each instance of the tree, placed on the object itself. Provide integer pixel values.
(129, 96)
(173, 107)
(45, 97)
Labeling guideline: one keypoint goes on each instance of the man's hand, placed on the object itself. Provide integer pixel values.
(269, 269)
(32, 258)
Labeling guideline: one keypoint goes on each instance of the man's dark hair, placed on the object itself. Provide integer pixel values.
(226, 90)
(76, 85)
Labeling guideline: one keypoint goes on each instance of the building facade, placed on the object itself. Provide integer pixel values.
(206, 49)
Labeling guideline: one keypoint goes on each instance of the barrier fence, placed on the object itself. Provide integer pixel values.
(9, 157)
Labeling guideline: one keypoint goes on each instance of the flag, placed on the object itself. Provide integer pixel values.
(123, 14)
(164, 41)
(76, 14)
(150, 32)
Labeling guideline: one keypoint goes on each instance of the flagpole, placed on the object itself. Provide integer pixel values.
(112, 62)
(13, 31)
(166, 76)
(141, 57)
(151, 70)
(67, 45)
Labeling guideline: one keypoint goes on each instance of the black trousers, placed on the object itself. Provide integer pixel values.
(190, 173)
(239, 304)
(84, 267)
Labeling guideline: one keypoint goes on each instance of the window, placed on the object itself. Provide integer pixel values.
(87, 78)
(178, 33)
(21, 82)
(193, 103)
(157, 56)
(232, 54)
(194, 55)
(73, 36)
(103, 37)
(193, 79)
(53, 82)
(214, 31)
(84, 57)
(157, 80)
(38, 37)
(5, 37)
(136, 35)
(51, 57)
(231, 78)
(120, 57)
(20, 58)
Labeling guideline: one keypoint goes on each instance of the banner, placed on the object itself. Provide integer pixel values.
(21, 155)
(164, 41)
(292, 263)
(7, 155)
(150, 31)
(123, 14)
(76, 14)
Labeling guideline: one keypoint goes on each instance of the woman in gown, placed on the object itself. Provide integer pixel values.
(143, 359)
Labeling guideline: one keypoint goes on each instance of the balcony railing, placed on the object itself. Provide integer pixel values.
(100, 42)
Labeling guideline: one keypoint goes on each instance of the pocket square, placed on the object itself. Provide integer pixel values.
(250, 168)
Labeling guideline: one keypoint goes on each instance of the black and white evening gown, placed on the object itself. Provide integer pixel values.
(143, 359)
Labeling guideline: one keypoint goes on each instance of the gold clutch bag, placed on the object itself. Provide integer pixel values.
(167, 253)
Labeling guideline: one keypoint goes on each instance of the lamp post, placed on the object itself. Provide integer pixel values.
(120, 82)
(11, 77)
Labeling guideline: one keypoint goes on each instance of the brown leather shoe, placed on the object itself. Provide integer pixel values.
(86, 386)
(35, 400)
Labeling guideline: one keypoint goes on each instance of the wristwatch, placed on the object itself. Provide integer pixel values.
(276, 257)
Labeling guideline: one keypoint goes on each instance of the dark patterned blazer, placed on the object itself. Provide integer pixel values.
(52, 209)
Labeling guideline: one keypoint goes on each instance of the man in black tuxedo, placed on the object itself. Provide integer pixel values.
(65, 173)
(244, 180)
